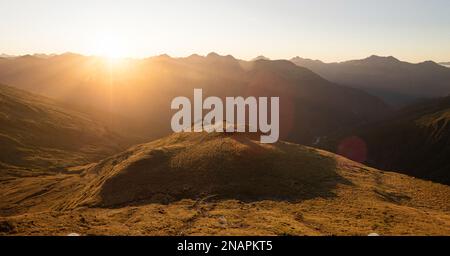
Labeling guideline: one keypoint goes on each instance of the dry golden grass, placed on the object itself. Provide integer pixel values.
(46, 136)
(223, 184)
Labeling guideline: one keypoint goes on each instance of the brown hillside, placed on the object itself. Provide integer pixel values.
(198, 183)
(37, 133)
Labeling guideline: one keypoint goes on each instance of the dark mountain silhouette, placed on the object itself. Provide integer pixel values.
(260, 57)
(141, 90)
(6, 56)
(397, 82)
(415, 141)
(39, 134)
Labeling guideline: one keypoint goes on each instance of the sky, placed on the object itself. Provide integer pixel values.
(329, 30)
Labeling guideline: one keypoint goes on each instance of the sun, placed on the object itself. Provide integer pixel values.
(110, 46)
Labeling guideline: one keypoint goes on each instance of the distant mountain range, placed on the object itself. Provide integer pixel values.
(6, 56)
(37, 55)
(397, 82)
(141, 90)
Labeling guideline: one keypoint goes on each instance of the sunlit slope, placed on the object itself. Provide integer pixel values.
(226, 166)
(223, 166)
(416, 141)
(38, 133)
(141, 90)
(199, 183)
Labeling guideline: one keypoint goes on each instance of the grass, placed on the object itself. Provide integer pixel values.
(220, 184)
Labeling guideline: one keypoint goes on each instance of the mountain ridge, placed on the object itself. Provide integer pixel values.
(397, 82)
(143, 89)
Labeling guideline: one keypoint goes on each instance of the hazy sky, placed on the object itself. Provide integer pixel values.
(331, 30)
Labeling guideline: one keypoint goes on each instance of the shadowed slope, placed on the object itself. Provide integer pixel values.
(416, 141)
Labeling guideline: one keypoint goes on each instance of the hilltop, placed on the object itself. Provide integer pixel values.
(220, 183)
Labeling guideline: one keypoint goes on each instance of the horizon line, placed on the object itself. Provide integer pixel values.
(36, 54)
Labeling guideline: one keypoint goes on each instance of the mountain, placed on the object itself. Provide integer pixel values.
(445, 63)
(260, 57)
(39, 134)
(224, 184)
(6, 56)
(397, 82)
(141, 90)
(415, 141)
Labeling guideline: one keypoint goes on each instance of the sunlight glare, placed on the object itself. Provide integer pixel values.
(110, 46)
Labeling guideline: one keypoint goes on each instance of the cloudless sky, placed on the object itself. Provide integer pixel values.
(330, 30)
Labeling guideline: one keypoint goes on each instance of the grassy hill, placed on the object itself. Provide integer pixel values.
(224, 184)
(37, 133)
